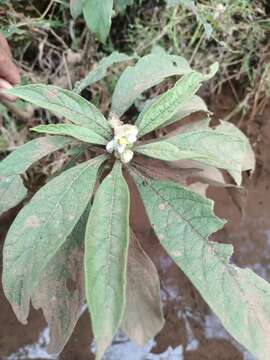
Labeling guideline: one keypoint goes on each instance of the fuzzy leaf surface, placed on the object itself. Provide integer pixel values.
(194, 104)
(41, 228)
(64, 103)
(143, 317)
(12, 192)
(210, 147)
(167, 105)
(24, 156)
(249, 161)
(149, 71)
(98, 16)
(100, 71)
(162, 150)
(60, 293)
(77, 132)
(183, 221)
(214, 148)
(106, 247)
(228, 129)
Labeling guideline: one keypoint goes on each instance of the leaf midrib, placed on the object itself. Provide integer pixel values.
(76, 112)
(86, 115)
(110, 229)
(207, 242)
(205, 239)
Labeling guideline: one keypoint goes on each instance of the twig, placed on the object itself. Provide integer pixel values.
(67, 72)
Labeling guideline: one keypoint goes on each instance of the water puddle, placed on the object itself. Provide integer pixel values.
(34, 351)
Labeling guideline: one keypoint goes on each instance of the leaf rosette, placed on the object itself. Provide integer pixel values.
(84, 211)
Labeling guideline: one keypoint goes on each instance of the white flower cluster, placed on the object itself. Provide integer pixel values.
(124, 138)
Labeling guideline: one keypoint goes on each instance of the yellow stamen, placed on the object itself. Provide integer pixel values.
(122, 141)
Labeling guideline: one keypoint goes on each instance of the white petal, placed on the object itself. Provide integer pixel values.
(111, 146)
(119, 132)
(127, 156)
(125, 130)
(130, 129)
(131, 138)
(120, 148)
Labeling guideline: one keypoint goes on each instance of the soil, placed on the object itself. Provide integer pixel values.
(192, 331)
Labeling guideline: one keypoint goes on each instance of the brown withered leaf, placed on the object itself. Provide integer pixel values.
(60, 293)
(238, 195)
(213, 176)
(143, 317)
(199, 188)
(162, 170)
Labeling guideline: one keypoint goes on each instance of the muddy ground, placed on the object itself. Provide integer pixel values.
(192, 331)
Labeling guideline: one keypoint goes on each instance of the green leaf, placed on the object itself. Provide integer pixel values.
(64, 103)
(194, 104)
(98, 16)
(249, 160)
(77, 132)
(183, 220)
(12, 192)
(41, 228)
(143, 317)
(149, 71)
(60, 293)
(162, 150)
(167, 105)
(213, 147)
(75, 8)
(121, 5)
(24, 156)
(224, 150)
(100, 71)
(106, 245)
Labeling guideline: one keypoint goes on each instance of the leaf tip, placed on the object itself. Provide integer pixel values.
(213, 70)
